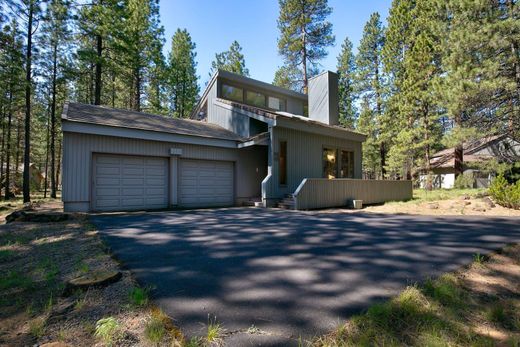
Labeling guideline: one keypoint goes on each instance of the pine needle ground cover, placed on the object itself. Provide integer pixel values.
(37, 259)
(475, 306)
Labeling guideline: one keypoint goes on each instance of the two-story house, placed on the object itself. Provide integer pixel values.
(247, 141)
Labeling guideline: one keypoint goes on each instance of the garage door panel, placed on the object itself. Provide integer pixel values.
(132, 191)
(132, 161)
(108, 192)
(129, 183)
(107, 181)
(133, 171)
(132, 181)
(108, 159)
(126, 202)
(204, 183)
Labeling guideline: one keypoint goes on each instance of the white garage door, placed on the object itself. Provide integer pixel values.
(205, 183)
(124, 183)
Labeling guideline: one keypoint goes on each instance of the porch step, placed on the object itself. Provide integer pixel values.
(259, 204)
(287, 203)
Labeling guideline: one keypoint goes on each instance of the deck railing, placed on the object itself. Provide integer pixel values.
(314, 193)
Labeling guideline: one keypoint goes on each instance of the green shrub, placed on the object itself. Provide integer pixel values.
(464, 181)
(505, 194)
(108, 330)
(139, 296)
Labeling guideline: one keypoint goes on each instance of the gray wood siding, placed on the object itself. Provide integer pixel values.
(324, 193)
(304, 158)
(250, 163)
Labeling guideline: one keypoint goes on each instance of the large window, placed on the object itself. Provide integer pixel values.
(329, 163)
(276, 103)
(232, 93)
(338, 163)
(282, 162)
(346, 164)
(255, 99)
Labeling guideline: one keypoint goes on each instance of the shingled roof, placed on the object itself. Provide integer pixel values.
(102, 115)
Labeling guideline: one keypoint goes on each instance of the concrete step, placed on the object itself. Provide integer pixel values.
(259, 204)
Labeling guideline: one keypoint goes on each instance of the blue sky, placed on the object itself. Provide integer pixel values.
(214, 24)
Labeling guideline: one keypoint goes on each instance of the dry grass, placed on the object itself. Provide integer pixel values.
(37, 259)
(476, 306)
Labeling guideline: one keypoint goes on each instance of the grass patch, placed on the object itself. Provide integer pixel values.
(5, 254)
(14, 279)
(108, 330)
(139, 296)
(423, 315)
(37, 327)
(156, 327)
(214, 333)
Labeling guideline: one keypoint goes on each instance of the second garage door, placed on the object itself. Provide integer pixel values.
(204, 183)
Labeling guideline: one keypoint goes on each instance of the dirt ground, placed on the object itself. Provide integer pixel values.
(469, 205)
(36, 260)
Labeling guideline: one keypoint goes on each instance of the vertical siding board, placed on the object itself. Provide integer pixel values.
(323, 193)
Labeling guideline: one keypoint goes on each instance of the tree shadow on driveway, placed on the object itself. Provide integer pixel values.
(290, 273)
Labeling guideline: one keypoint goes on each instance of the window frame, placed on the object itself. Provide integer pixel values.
(282, 168)
(246, 91)
(224, 84)
(337, 167)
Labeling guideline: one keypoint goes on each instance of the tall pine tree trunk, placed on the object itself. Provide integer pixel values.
(28, 77)
(3, 152)
(58, 164)
(97, 84)
(53, 119)
(46, 182)
(137, 89)
(515, 110)
(8, 145)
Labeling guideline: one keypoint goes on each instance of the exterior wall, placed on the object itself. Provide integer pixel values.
(250, 163)
(304, 159)
(324, 193)
(237, 122)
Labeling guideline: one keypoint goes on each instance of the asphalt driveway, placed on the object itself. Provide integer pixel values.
(288, 273)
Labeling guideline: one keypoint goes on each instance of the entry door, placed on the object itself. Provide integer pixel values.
(123, 183)
(205, 183)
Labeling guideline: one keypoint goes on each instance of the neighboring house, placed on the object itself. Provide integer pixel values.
(248, 141)
(36, 178)
(490, 149)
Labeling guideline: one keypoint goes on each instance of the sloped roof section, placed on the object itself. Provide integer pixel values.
(288, 116)
(102, 115)
(472, 152)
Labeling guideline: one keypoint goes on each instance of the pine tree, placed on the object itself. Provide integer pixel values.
(369, 79)
(231, 60)
(346, 68)
(367, 125)
(288, 77)
(182, 74)
(56, 37)
(12, 86)
(482, 65)
(305, 34)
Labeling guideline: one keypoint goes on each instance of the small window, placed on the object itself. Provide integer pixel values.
(276, 103)
(329, 163)
(255, 99)
(232, 93)
(306, 110)
(282, 162)
(346, 165)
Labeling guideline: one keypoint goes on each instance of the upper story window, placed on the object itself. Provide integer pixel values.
(232, 93)
(276, 103)
(255, 99)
